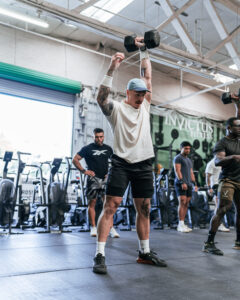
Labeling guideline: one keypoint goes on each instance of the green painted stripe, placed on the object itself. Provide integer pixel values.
(29, 76)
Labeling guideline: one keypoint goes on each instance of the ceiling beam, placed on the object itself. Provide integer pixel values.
(222, 31)
(176, 14)
(223, 42)
(192, 95)
(197, 58)
(103, 29)
(230, 5)
(81, 7)
(179, 27)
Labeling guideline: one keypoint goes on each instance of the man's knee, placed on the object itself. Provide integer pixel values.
(110, 205)
(222, 209)
(183, 201)
(92, 203)
(143, 207)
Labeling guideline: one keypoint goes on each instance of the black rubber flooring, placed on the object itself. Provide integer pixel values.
(59, 266)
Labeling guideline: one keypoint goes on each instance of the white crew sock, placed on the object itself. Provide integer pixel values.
(144, 246)
(181, 223)
(100, 248)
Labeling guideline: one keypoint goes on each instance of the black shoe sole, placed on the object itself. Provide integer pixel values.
(98, 271)
(149, 262)
(218, 254)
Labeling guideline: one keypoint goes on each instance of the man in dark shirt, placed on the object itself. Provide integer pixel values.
(227, 156)
(96, 156)
(184, 180)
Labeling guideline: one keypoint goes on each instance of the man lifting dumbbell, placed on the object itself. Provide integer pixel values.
(132, 158)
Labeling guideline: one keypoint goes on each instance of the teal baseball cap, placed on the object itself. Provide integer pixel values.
(137, 84)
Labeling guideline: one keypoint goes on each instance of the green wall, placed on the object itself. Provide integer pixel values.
(189, 129)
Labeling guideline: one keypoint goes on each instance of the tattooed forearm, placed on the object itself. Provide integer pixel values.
(102, 99)
(107, 108)
(103, 94)
(145, 208)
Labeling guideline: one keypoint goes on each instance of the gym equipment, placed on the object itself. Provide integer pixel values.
(7, 195)
(164, 210)
(80, 215)
(9, 191)
(151, 40)
(53, 200)
(227, 98)
(159, 136)
(57, 195)
(125, 215)
(196, 144)
(198, 210)
(169, 148)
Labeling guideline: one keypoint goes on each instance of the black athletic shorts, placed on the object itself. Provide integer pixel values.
(95, 188)
(138, 174)
(181, 192)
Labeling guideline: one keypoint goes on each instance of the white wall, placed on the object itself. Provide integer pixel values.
(38, 53)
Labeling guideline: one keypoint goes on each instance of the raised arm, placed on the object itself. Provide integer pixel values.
(105, 104)
(236, 102)
(145, 67)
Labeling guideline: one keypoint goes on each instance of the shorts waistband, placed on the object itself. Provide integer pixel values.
(114, 156)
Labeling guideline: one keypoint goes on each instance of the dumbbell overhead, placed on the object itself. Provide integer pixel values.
(151, 40)
(229, 98)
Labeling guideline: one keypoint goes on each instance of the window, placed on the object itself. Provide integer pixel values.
(41, 128)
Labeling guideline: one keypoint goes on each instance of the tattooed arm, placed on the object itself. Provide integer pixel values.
(105, 104)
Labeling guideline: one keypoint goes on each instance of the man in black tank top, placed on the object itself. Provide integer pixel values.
(227, 156)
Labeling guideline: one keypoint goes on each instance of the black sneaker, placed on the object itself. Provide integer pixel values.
(150, 258)
(210, 247)
(237, 245)
(99, 264)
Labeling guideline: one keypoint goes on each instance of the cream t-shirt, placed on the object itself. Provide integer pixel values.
(131, 129)
(214, 171)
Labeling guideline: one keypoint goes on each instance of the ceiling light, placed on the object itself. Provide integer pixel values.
(24, 18)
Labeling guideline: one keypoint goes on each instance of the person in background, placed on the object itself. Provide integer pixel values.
(96, 155)
(183, 183)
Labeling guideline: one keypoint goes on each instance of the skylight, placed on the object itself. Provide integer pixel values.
(234, 67)
(222, 78)
(104, 10)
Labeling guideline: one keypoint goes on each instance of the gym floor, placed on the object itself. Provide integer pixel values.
(59, 266)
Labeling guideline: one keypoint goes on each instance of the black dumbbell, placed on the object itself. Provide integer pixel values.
(151, 40)
(226, 97)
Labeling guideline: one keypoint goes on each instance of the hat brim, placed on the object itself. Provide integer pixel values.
(140, 90)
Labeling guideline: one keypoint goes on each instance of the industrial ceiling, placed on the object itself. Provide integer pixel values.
(200, 39)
